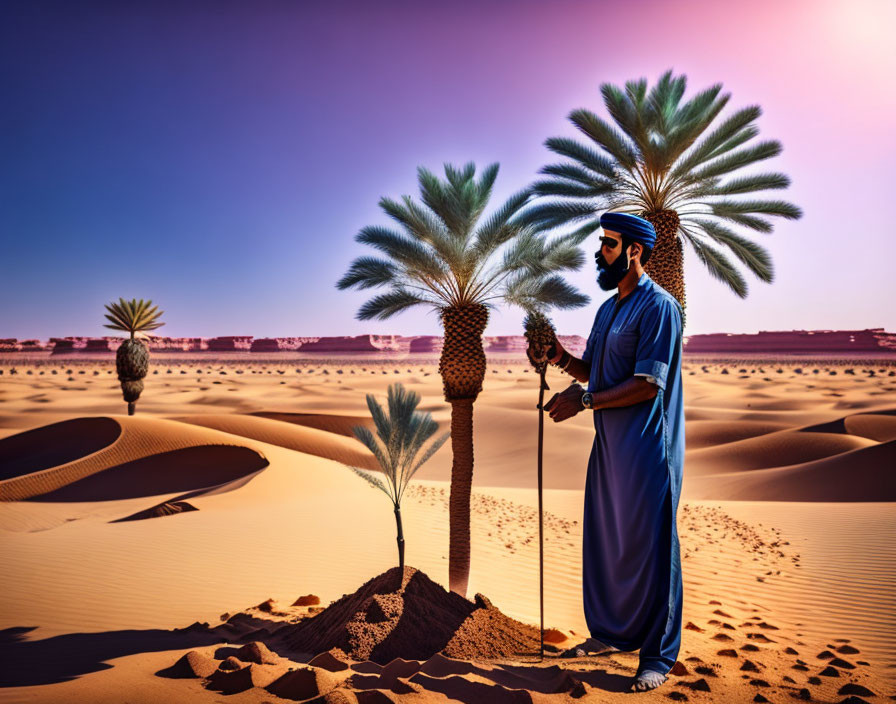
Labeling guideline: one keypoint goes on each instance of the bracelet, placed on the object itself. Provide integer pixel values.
(568, 357)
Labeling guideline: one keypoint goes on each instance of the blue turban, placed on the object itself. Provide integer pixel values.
(631, 226)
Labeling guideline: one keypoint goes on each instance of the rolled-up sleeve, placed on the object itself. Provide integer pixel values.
(658, 340)
(589, 345)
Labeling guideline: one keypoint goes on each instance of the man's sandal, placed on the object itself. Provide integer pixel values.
(592, 646)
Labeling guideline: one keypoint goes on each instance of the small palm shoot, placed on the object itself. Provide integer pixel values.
(400, 435)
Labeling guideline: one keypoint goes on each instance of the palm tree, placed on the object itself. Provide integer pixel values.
(444, 258)
(651, 164)
(401, 432)
(132, 357)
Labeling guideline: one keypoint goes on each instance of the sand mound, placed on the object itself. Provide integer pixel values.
(303, 683)
(328, 661)
(409, 616)
(256, 652)
(55, 444)
(168, 508)
(192, 664)
(233, 681)
(294, 437)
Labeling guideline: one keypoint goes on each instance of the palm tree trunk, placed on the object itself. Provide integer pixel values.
(666, 265)
(400, 538)
(459, 501)
(131, 408)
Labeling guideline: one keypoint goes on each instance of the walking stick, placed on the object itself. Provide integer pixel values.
(540, 335)
(541, 389)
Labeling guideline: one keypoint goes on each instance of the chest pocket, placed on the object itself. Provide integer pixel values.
(623, 342)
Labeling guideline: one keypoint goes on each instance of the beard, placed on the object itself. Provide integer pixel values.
(609, 275)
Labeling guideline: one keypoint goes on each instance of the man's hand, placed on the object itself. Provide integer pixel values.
(566, 404)
(545, 354)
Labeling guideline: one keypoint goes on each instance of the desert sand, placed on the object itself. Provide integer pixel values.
(184, 553)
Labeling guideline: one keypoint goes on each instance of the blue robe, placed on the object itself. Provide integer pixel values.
(631, 567)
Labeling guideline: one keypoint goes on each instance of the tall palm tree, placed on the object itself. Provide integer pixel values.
(400, 435)
(132, 357)
(651, 164)
(442, 257)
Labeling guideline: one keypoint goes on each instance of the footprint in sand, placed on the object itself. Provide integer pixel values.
(761, 637)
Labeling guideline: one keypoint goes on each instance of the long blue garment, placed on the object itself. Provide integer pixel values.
(631, 566)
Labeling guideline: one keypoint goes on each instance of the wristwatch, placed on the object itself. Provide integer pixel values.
(587, 399)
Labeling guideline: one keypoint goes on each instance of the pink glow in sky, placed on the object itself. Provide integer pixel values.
(220, 157)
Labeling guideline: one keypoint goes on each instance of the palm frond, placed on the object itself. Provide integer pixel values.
(500, 227)
(713, 143)
(368, 272)
(370, 479)
(440, 200)
(379, 451)
(745, 184)
(416, 257)
(606, 137)
(765, 207)
(538, 292)
(753, 255)
(587, 157)
(664, 99)
(690, 122)
(630, 120)
(557, 213)
(738, 160)
(133, 316)
(719, 265)
(388, 304)
(572, 190)
(750, 221)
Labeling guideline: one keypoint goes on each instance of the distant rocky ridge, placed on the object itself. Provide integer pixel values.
(794, 341)
(779, 342)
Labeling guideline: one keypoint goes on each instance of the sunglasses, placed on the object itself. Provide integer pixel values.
(608, 241)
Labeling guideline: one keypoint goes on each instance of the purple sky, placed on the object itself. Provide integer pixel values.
(219, 157)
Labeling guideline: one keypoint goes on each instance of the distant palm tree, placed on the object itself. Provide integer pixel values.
(443, 258)
(401, 434)
(132, 357)
(653, 166)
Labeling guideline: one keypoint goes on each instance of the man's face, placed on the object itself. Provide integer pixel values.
(610, 246)
(612, 263)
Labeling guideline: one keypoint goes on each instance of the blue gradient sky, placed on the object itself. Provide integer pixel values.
(219, 157)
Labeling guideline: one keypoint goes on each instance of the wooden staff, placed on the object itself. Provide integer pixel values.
(543, 386)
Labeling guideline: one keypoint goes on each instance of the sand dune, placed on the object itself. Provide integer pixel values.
(707, 433)
(787, 548)
(330, 422)
(188, 469)
(784, 447)
(55, 444)
(874, 426)
(135, 455)
(310, 440)
(863, 474)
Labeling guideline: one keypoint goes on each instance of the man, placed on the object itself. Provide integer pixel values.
(631, 569)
